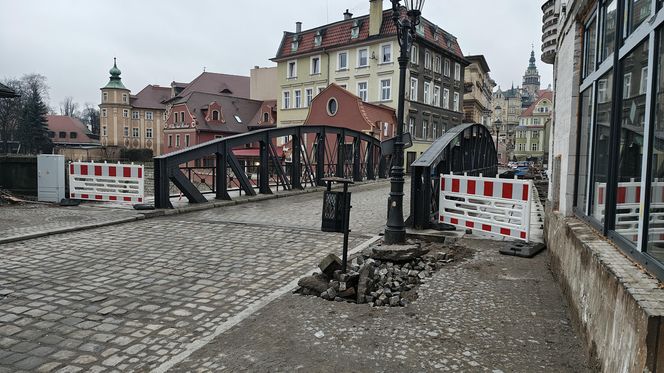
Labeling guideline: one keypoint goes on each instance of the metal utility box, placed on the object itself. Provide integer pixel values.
(50, 177)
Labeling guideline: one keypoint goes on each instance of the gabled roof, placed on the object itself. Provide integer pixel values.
(63, 123)
(542, 95)
(245, 109)
(151, 97)
(338, 34)
(214, 83)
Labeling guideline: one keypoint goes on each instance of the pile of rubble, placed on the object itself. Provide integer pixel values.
(381, 276)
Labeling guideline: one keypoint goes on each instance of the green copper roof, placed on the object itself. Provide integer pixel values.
(115, 80)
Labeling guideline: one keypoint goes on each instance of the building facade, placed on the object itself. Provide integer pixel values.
(477, 105)
(532, 134)
(132, 122)
(360, 55)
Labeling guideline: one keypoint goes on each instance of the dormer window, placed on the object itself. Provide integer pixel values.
(318, 38)
(420, 29)
(295, 43)
(355, 31)
(266, 117)
(215, 115)
(237, 119)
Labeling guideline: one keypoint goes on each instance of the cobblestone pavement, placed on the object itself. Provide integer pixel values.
(130, 297)
(20, 220)
(491, 313)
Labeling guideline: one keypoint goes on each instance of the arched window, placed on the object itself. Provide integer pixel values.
(215, 115)
(266, 117)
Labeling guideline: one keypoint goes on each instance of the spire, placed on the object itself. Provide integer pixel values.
(532, 58)
(115, 80)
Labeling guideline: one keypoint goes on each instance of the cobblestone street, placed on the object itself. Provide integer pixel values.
(172, 292)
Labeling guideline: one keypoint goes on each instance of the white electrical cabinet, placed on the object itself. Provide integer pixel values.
(50, 177)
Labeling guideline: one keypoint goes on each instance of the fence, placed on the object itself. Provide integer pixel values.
(106, 182)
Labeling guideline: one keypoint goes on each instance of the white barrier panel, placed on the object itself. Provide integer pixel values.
(628, 209)
(492, 205)
(106, 182)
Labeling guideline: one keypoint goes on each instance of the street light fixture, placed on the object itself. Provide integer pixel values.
(395, 230)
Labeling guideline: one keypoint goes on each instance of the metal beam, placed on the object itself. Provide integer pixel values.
(186, 187)
(242, 178)
(162, 196)
(222, 174)
(296, 165)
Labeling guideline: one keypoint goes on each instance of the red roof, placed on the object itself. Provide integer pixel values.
(214, 83)
(151, 97)
(543, 94)
(339, 34)
(62, 125)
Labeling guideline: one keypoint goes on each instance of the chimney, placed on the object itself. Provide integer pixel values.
(348, 15)
(375, 16)
(298, 27)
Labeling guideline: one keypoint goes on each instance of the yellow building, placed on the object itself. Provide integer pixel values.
(132, 122)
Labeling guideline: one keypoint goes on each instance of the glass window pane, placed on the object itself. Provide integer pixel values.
(584, 149)
(637, 12)
(601, 141)
(655, 245)
(609, 28)
(632, 121)
(591, 46)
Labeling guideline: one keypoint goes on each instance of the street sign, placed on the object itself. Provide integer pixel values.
(387, 146)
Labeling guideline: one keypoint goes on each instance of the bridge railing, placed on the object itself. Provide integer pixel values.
(464, 149)
(259, 161)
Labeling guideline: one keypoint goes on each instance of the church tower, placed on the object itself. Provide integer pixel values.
(531, 80)
(114, 111)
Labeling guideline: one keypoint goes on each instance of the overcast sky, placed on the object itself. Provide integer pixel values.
(73, 42)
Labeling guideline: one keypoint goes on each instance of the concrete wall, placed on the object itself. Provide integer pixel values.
(19, 174)
(263, 83)
(616, 305)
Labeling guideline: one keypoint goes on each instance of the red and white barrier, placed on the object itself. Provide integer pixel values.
(106, 182)
(492, 205)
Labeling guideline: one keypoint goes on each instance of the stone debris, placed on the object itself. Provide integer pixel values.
(374, 280)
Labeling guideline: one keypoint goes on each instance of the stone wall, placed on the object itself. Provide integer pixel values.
(19, 174)
(617, 306)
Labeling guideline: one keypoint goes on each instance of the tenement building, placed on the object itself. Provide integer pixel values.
(478, 92)
(360, 55)
(607, 165)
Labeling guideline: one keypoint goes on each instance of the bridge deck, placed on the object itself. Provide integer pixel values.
(168, 293)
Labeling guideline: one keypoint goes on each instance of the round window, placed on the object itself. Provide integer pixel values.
(332, 107)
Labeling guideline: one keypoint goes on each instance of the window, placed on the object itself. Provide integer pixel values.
(125, 113)
(342, 61)
(315, 65)
(182, 119)
(637, 11)
(177, 141)
(104, 97)
(413, 54)
(427, 60)
(266, 117)
(104, 131)
(237, 118)
(104, 113)
(355, 31)
(535, 134)
(363, 91)
(386, 90)
(362, 57)
(170, 141)
(656, 166)
(298, 98)
(601, 142)
(590, 45)
(125, 98)
(134, 132)
(215, 115)
(522, 147)
(533, 147)
(447, 68)
(627, 85)
(427, 93)
(72, 135)
(609, 18)
(436, 96)
(148, 133)
(318, 38)
(586, 107)
(643, 85)
(286, 100)
(344, 86)
(309, 95)
(332, 107)
(457, 72)
(135, 115)
(411, 126)
(434, 130)
(425, 129)
(437, 65)
(413, 89)
(386, 53)
(126, 132)
(446, 98)
(456, 101)
(149, 115)
(291, 70)
(62, 135)
(186, 141)
(320, 89)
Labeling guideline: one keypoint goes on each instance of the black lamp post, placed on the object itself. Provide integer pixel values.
(395, 231)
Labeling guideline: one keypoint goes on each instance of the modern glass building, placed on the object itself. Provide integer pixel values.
(619, 178)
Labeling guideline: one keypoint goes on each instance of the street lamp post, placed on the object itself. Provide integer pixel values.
(395, 231)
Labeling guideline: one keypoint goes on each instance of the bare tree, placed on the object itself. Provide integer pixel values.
(10, 112)
(69, 108)
(90, 116)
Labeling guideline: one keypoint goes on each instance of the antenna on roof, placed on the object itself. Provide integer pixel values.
(203, 68)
